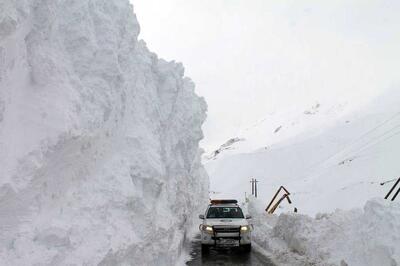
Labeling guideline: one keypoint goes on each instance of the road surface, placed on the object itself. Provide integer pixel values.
(225, 257)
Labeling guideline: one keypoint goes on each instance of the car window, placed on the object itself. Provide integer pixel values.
(225, 212)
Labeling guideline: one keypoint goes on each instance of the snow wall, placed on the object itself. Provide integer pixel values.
(360, 237)
(98, 139)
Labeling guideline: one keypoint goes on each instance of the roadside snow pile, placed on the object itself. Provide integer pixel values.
(367, 237)
(98, 139)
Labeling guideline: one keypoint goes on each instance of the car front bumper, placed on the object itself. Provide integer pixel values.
(225, 239)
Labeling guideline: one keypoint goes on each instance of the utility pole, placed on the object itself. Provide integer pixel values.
(255, 187)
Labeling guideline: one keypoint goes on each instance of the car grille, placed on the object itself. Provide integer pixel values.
(218, 229)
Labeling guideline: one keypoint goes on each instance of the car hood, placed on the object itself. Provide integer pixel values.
(233, 222)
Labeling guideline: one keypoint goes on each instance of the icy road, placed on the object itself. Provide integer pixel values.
(225, 257)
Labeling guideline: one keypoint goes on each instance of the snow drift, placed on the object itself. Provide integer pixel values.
(359, 237)
(98, 139)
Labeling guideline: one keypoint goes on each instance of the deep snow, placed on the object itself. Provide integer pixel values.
(98, 139)
(360, 237)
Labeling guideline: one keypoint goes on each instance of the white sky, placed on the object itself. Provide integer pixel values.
(251, 57)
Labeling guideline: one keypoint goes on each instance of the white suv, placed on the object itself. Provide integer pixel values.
(224, 225)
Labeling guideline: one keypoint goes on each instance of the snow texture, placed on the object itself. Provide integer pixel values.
(358, 237)
(326, 161)
(98, 139)
(329, 158)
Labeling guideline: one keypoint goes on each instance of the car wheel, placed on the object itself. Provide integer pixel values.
(205, 249)
(247, 248)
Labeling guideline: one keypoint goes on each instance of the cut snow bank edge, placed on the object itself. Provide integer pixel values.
(98, 139)
(359, 237)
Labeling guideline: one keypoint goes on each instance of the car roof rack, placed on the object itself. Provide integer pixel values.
(223, 201)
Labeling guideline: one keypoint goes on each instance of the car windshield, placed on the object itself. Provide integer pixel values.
(225, 212)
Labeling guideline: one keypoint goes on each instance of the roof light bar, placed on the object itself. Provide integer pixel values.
(224, 201)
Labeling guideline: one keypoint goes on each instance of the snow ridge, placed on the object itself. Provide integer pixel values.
(98, 139)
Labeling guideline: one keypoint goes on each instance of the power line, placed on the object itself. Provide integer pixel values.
(322, 171)
(371, 140)
(351, 143)
(373, 144)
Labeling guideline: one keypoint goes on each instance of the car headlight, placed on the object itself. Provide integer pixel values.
(207, 229)
(245, 228)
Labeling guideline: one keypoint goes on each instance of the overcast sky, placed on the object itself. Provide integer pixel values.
(251, 57)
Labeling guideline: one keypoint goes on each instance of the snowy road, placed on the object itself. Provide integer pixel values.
(225, 257)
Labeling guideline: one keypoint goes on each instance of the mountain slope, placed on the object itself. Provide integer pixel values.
(334, 163)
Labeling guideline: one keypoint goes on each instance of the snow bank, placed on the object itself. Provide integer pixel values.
(98, 139)
(366, 237)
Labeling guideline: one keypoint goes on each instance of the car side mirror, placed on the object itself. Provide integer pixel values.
(248, 216)
(201, 216)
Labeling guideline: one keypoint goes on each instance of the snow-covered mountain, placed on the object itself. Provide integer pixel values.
(266, 131)
(327, 156)
(99, 160)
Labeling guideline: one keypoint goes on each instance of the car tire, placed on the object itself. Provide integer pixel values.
(247, 248)
(205, 249)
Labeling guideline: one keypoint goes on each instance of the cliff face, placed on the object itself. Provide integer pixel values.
(98, 138)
